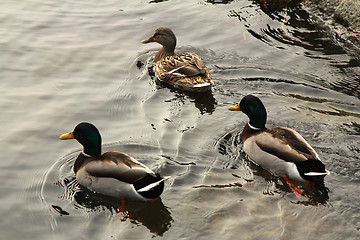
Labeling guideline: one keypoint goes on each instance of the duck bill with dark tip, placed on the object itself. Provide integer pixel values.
(151, 39)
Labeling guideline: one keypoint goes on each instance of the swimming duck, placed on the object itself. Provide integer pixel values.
(112, 173)
(184, 71)
(281, 150)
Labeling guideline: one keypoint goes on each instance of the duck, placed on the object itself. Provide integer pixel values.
(280, 150)
(185, 71)
(113, 173)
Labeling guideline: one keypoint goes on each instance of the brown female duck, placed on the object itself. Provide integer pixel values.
(184, 71)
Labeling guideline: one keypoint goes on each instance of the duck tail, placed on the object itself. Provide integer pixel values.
(153, 185)
(315, 174)
(312, 170)
(201, 85)
(150, 186)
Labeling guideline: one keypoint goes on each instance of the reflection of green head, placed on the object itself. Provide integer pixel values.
(255, 110)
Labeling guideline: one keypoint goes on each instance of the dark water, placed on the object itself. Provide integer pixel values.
(66, 62)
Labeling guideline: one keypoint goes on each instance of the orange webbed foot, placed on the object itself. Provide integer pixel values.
(296, 190)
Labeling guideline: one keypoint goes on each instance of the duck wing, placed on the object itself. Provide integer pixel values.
(119, 166)
(286, 144)
(184, 64)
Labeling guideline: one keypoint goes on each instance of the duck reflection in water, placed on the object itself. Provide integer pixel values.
(317, 194)
(153, 215)
(205, 102)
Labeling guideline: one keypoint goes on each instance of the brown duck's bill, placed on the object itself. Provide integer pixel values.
(234, 107)
(148, 40)
(65, 136)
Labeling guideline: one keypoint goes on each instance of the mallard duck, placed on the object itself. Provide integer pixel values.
(184, 71)
(281, 150)
(112, 173)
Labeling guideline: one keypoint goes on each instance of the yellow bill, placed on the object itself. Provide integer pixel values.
(234, 107)
(65, 136)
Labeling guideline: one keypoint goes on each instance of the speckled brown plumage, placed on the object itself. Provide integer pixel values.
(183, 71)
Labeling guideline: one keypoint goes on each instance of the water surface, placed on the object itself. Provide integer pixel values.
(67, 62)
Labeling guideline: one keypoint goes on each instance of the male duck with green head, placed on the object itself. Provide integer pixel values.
(282, 151)
(112, 173)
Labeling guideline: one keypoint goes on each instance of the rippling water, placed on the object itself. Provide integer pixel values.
(66, 62)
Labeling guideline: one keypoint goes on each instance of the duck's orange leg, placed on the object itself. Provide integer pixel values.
(123, 215)
(295, 189)
(121, 208)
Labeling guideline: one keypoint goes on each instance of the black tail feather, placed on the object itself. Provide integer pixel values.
(311, 166)
(153, 192)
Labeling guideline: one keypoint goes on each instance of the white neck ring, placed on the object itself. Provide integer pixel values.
(86, 155)
(253, 128)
